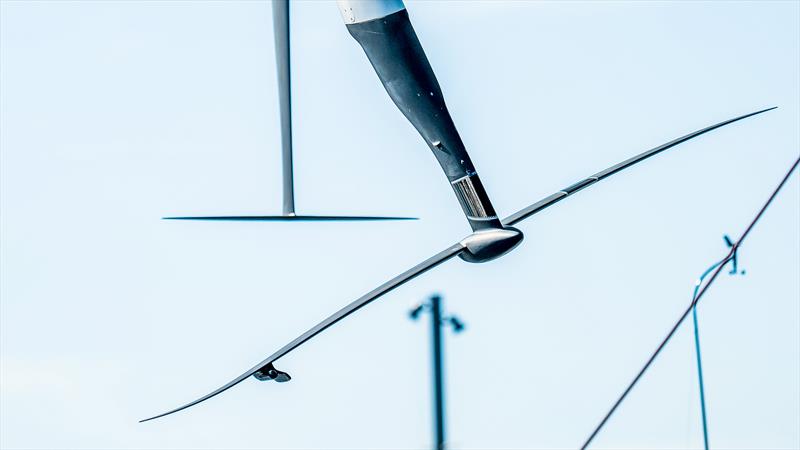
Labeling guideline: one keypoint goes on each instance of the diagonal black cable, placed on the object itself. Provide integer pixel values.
(722, 264)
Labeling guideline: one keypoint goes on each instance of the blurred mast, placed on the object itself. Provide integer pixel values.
(437, 322)
(438, 388)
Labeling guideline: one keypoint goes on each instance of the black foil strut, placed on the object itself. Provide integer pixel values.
(396, 54)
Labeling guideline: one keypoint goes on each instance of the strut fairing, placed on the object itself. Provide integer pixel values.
(396, 54)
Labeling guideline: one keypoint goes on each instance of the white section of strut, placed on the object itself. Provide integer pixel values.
(357, 11)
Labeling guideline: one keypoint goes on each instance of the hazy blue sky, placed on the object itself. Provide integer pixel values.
(116, 113)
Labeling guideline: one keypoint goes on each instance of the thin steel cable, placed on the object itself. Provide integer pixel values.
(683, 316)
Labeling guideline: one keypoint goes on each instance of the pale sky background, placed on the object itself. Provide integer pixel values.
(116, 113)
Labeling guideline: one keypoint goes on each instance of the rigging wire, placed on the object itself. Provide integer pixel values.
(729, 257)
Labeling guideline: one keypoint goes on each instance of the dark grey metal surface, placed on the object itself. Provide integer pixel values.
(560, 195)
(280, 19)
(397, 56)
(359, 303)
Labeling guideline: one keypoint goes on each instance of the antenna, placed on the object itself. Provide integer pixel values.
(729, 257)
(697, 285)
(434, 305)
